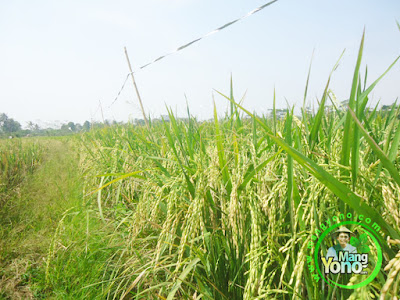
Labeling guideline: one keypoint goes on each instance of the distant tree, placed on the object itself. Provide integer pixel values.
(139, 122)
(64, 127)
(78, 127)
(86, 126)
(71, 126)
(33, 127)
(9, 125)
(3, 118)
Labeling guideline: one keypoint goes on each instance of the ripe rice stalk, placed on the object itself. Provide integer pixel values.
(224, 209)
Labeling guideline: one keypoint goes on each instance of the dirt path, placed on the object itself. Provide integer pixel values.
(28, 224)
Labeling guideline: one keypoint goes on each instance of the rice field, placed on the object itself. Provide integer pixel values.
(16, 160)
(227, 209)
(188, 209)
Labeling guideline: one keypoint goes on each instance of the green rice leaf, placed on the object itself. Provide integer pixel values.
(338, 188)
(221, 154)
(251, 171)
(133, 174)
(395, 144)
(348, 130)
(378, 151)
(321, 110)
(182, 277)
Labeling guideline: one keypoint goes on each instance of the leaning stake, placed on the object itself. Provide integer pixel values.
(134, 84)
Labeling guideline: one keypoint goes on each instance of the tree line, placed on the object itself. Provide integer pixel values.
(12, 128)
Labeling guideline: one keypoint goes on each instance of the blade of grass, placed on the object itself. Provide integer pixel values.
(172, 144)
(259, 121)
(231, 96)
(99, 199)
(251, 171)
(221, 154)
(378, 151)
(348, 130)
(133, 174)
(289, 192)
(395, 144)
(360, 105)
(274, 112)
(313, 139)
(321, 110)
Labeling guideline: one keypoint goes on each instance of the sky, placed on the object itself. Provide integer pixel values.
(64, 60)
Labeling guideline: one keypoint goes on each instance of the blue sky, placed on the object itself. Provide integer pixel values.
(58, 59)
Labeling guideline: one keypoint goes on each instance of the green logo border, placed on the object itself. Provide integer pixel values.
(370, 277)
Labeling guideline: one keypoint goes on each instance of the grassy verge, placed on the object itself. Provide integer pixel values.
(30, 226)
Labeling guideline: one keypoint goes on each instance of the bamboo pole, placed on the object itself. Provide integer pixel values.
(136, 89)
(101, 110)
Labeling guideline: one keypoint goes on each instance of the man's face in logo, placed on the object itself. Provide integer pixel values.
(343, 239)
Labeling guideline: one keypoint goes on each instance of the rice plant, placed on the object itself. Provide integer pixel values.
(16, 160)
(226, 209)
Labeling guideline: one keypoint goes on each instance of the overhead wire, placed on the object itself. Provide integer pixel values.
(191, 43)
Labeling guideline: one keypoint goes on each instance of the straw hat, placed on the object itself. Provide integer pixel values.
(343, 229)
